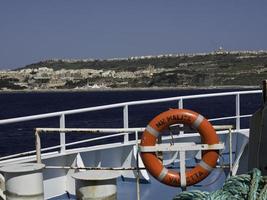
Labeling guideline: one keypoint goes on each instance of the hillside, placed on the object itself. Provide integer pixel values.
(199, 70)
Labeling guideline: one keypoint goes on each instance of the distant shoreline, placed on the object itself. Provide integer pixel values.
(131, 89)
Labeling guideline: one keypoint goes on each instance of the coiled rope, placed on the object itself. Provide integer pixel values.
(251, 186)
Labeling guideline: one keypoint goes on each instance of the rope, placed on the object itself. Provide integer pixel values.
(251, 186)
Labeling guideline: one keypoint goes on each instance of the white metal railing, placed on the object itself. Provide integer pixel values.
(121, 132)
(181, 148)
(125, 106)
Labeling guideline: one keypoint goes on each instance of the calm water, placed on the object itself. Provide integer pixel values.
(20, 136)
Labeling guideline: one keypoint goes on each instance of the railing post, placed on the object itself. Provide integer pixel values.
(137, 167)
(182, 170)
(126, 122)
(38, 147)
(264, 91)
(181, 106)
(237, 111)
(180, 103)
(62, 134)
(230, 152)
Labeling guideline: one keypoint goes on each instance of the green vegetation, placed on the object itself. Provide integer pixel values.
(220, 60)
(10, 83)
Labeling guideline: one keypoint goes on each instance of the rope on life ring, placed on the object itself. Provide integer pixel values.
(162, 122)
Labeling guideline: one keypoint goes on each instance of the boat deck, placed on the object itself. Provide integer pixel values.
(61, 159)
(126, 189)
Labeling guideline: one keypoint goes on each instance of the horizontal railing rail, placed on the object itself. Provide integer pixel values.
(117, 105)
(125, 106)
(120, 132)
(231, 117)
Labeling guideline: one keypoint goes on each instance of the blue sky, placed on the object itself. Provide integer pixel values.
(32, 30)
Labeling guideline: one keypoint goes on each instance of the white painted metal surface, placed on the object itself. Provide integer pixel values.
(180, 101)
(2, 187)
(126, 121)
(189, 146)
(55, 186)
(122, 154)
(82, 110)
(62, 134)
(23, 181)
(182, 168)
(97, 175)
(96, 184)
(237, 111)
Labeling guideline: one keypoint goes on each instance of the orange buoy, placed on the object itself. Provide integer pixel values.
(162, 122)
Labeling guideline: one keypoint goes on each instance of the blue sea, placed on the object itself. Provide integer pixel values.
(19, 137)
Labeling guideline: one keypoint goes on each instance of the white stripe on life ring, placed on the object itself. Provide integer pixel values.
(205, 166)
(198, 121)
(152, 131)
(162, 174)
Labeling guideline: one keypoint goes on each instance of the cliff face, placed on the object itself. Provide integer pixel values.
(199, 70)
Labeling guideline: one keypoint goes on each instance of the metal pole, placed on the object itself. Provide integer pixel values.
(126, 122)
(230, 151)
(122, 168)
(237, 111)
(38, 147)
(137, 166)
(182, 170)
(264, 91)
(181, 106)
(62, 134)
(96, 168)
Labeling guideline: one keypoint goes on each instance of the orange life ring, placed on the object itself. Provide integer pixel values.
(162, 122)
